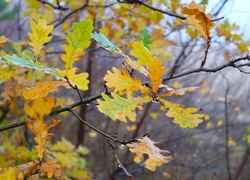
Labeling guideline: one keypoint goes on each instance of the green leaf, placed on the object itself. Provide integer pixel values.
(26, 62)
(204, 2)
(121, 108)
(77, 40)
(100, 38)
(145, 37)
(185, 118)
(8, 1)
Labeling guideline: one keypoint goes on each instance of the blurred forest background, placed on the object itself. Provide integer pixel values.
(209, 151)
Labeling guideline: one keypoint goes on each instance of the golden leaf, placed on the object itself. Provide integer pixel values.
(3, 39)
(123, 83)
(147, 146)
(40, 35)
(37, 111)
(42, 89)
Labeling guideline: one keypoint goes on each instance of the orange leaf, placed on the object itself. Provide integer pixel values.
(50, 167)
(37, 111)
(146, 146)
(155, 73)
(42, 89)
(199, 19)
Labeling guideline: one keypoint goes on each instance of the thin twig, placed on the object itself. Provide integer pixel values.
(206, 52)
(118, 161)
(95, 129)
(227, 127)
(58, 7)
(73, 87)
(170, 13)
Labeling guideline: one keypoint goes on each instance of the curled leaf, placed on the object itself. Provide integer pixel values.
(147, 146)
(199, 19)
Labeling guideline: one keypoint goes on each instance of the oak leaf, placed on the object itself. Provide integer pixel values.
(123, 83)
(152, 63)
(40, 35)
(80, 80)
(199, 19)
(42, 89)
(28, 168)
(28, 63)
(177, 92)
(135, 65)
(51, 168)
(144, 145)
(121, 108)
(40, 108)
(77, 40)
(184, 117)
(3, 39)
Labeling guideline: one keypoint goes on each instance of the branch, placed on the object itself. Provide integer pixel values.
(206, 52)
(56, 111)
(170, 13)
(59, 7)
(243, 164)
(227, 127)
(202, 69)
(71, 13)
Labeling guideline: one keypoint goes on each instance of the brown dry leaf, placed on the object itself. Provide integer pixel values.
(177, 92)
(27, 169)
(50, 168)
(199, 19)
(147, 146)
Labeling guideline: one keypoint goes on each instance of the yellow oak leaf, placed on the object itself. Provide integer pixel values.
(77, 40)
(121, 108)
(199, 19)
(5, 73)
(123, 83)
(144, 145)
(142, 54)
(184, 117)
(80, 80)
(7, 173)
(3, 39)
(42, 89)
(231, 142)
(51, 168)
(40, 35)
(40, 108)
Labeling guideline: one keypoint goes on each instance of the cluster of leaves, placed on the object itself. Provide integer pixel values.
(125, 92)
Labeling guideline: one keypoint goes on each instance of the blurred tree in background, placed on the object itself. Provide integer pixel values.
(88, 87)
